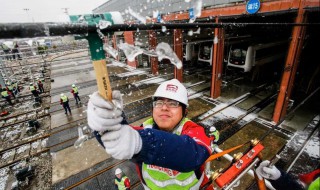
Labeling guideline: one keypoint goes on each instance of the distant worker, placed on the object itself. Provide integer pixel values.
(33, 90)
(10, 89)
(40, 86)
(15, 51)
(5, 95)
(15, 86)
(64, 101)
(214, 136)
(121, 181)
(75, 92)
(282, 180)
(6, 51)
(169, 149)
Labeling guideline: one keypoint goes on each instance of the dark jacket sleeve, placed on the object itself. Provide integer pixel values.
(164, 149)
(286, 181)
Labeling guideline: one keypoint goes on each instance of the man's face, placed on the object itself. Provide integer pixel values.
(119, 176)
(166, 113)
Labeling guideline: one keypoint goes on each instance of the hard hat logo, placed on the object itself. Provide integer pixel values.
(172, 88)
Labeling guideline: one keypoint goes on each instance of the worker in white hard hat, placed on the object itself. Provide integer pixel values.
(169, 149)
(121, 181)
(33, 90)
(64, 101)
(214, 137)
(75, 92)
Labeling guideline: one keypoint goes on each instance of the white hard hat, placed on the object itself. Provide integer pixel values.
(73, 85)
(118, 171)
(212, 129)
(173, 90)
(61, 95)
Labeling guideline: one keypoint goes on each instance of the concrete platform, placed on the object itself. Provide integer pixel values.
(61, 118)
(71, 161)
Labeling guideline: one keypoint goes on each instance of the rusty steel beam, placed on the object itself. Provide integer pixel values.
(267, 6)
(152, 46)
(218, 51)
(177, 45)
(292, 61)
(129, 38)
(114, 43)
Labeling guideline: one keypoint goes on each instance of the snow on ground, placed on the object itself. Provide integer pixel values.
(313, 147)
(3, 178)
(131, 73)
(153, 80)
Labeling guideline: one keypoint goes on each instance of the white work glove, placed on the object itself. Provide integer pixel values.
(104, 115)
(123, 143)
(267, 172)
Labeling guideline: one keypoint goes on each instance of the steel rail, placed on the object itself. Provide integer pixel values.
(94, 175)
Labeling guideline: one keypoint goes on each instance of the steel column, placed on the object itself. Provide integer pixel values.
(129, 38)
(177, 42)
(114, 42)
(291, 65)
(217, 60)
(152, 46)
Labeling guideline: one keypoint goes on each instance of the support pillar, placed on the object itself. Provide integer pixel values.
(114, 42)
(154, 64)
(177, 42)
(129, 38)
(291, 65)
(217, 62)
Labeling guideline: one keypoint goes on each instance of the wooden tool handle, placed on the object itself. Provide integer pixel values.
(103, 81)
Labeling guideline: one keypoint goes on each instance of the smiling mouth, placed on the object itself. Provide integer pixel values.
(164, 116)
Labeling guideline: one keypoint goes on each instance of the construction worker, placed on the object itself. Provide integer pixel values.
(75, 92)
(15, 86)
(214, 137)
(282, 180)
(6, 51)
(40, 86)
(169, 149)
(10, 89)
(33, 90)
(64, 101)
(5, 95)
(121, 181)
(15, 51)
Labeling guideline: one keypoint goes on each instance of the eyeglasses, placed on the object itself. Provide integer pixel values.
(169, 103)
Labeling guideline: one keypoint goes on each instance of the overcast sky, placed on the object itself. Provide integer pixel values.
(44, 10)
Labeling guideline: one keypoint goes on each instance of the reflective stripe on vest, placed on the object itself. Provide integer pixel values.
(163, 178)
(120, 184)
(32, 88)
(75, 89)
(4, 93)
(64, 98)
